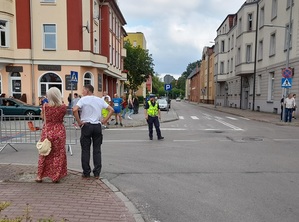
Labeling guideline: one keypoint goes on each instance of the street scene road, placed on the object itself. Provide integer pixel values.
(211, 166)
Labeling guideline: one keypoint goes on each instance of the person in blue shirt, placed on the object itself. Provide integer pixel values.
(117, 101)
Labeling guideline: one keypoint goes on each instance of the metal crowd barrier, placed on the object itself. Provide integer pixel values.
(21, 129)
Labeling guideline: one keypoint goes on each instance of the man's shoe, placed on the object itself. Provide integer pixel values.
(85, 176)
(129, 117)
(161, 138)
(116, 123)
(121, 124)
(151, 138)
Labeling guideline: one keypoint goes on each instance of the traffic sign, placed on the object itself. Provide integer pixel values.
(167, 87)
(287, 73)
(74, 76)
(286, 82)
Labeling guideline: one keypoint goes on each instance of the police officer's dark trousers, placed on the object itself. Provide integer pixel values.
(153, 120)
(91, 133)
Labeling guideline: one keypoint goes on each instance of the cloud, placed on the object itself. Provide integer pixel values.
(176, 31)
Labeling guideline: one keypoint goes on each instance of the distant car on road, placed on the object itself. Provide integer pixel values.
(163, 104)
(178, 99)
(11, 106)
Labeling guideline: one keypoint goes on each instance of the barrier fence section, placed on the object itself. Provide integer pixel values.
(21, 129)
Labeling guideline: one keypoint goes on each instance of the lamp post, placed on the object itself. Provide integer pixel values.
(288, 29)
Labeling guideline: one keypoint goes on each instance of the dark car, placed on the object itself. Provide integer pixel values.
(11, 106)
(163, 104)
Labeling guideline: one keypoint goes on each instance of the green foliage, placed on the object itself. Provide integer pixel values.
(139, 64)
(157, 84)
(190, 68)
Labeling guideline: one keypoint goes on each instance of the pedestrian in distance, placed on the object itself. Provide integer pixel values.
(130, 104)
(105, 112)
(295, 107)
(117, 101)
(136, 104)
(124, 106)
(153, 115)
(91, 130)
(54, 165)
(289, 106)
(281, 107)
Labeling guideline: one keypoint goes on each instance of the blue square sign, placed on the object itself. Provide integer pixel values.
(74, 77)
(167, 87)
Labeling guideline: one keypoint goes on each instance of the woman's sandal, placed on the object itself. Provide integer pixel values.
(38, 180)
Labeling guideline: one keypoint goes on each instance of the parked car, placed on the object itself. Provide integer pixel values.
(11, 106)
(178, 99)
(163, 104)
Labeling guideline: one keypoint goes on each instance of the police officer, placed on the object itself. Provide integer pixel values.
(152, 115)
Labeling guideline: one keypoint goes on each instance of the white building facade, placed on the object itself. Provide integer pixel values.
(251, 53)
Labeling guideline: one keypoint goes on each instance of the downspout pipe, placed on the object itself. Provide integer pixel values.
(255, 55)
(32, 55)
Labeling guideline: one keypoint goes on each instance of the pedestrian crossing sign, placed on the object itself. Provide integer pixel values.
(74, 77)
(286, 82)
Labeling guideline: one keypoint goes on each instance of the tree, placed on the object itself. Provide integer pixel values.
(139, 64)
(157, 84)
(190, 68)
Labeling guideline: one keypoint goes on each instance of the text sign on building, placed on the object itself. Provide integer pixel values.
(167, 87)
(74, 76)
(286, 82)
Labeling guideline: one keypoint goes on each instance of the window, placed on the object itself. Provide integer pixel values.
(222, 46)
(240, 30)
(49, 80)
(231, 64)
(227, 66)
(261, 50)
(96, 47)
(272, 44)
(87, 79)
(262, 16)
(48, 1)
(289, 3)
(49, 36)
(15, 85)
(271, 87)
(250, 22)
(288, 36)
(95, 9)
(0, 84)
(239, 56)
(3, 34)
(248, 53)
(259, 81)
(221, 68)
(228, 47)
(134, 43)
(233, 41)
(274, 9)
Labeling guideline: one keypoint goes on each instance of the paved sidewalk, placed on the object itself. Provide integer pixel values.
(77, 199)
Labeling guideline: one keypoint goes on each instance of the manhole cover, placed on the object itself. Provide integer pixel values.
(252, 139)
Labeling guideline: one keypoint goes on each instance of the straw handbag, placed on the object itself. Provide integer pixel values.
(44, 147)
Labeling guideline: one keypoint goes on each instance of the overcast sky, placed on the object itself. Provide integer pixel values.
(176, 31)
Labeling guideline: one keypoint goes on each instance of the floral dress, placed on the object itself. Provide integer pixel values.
(54, 165)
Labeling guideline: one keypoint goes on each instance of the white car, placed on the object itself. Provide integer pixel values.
(163, 104)
(178, 99)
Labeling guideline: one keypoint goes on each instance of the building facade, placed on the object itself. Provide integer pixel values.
(138, 39)
(43, 41)
(193, 81)
(207, 82)
(251, 51)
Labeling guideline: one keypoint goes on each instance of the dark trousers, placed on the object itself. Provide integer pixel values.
(288, 115)
(153, 121)
(91, 133)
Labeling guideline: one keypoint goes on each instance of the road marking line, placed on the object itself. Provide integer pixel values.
(232, 118)
(181, 117)
(194, 117)
(244, 118)
(229, 125)
(186, 140)
(218, 117)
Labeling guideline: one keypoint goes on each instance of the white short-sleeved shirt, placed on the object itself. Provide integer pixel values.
(91, 109)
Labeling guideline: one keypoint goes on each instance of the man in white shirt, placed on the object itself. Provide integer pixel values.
(91, 129)
(289, 105)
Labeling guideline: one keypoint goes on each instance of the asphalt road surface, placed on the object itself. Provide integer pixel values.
(211, 167)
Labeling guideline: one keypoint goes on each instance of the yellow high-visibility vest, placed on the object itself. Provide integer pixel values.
(152, 110)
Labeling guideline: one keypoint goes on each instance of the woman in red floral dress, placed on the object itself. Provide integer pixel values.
(54, 165)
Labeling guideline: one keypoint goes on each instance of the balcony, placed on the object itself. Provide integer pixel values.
(245, 69)
(222, 77)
